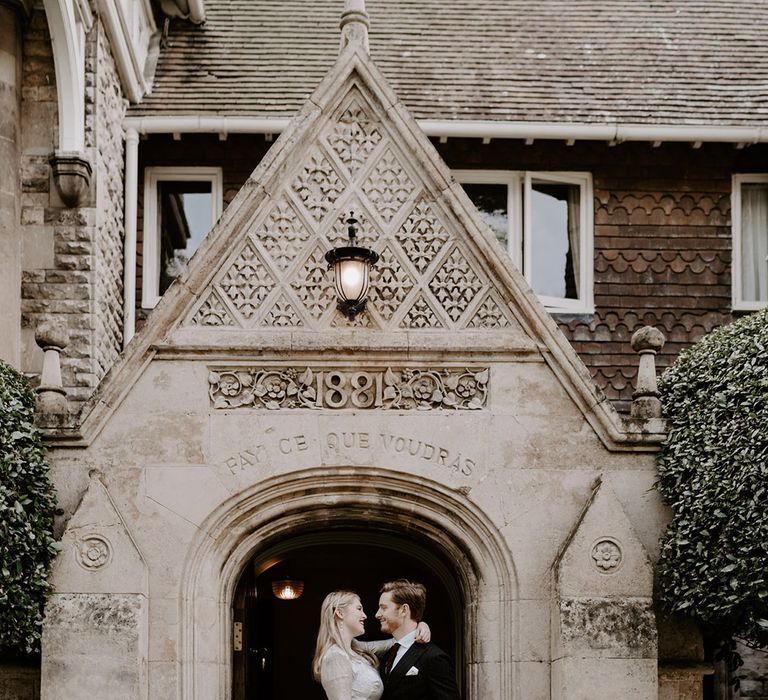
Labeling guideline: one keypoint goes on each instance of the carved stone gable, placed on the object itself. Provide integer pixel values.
(428, 276)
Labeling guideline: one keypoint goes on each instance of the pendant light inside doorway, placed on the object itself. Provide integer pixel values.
(351, 265)
(287, 588)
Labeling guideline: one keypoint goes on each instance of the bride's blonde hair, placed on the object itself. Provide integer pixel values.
(330, 634)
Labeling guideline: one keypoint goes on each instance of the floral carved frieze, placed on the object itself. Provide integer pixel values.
(388, 388)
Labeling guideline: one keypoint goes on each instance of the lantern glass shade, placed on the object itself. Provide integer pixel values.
(351, 279)
(351, 266)
(287, 589)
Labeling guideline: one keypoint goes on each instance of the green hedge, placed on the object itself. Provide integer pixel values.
(27, 503)
(713, 472)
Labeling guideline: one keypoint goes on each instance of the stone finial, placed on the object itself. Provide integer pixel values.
(52, 337)
(72, 175)
(354, 25)
(646, 341)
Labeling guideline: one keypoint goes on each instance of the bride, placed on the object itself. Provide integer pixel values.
(346, 668)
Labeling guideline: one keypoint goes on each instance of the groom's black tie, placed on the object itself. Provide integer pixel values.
(390, 658)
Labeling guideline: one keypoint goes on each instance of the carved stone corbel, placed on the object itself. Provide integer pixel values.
(72, 175)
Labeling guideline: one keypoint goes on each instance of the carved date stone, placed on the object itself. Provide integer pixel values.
(322, 388)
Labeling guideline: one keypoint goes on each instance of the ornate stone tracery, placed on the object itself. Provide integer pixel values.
(422, 236)
(355, 136)
(283, 234)
(455, 284)
(318, 185)
(424, 278)
(388, 186)
(247, 282)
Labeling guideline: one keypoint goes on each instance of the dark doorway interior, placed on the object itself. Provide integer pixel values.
(279, 636)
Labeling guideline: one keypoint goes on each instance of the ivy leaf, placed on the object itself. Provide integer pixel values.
(27, 503)
(390, 379)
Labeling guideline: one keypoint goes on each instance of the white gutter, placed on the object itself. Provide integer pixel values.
(473, 129)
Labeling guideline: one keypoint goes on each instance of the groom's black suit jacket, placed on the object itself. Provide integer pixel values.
(434, 680)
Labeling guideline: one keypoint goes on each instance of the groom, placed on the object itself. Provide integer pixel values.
(411, 671)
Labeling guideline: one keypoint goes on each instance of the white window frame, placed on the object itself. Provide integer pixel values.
(150, 277)
(519, 234)
(737, 302)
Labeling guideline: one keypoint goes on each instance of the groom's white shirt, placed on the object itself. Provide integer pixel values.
(405, 644)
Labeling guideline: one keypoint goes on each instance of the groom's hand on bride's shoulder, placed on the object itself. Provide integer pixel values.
(423, 633)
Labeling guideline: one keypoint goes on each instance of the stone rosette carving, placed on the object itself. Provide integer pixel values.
(94, 552)
(321, 388)
(607, 555)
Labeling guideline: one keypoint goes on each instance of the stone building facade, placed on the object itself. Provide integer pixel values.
(457, 429)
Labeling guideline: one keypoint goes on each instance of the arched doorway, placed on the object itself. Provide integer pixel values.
(273, 660)
(405, 506)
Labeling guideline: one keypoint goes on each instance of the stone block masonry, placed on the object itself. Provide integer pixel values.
(72, 263)
(109, 169)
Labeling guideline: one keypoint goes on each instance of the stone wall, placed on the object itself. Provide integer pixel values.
(104, 114)
(72, 257)
(10, 239)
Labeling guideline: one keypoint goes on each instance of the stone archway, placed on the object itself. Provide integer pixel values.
(269, 511)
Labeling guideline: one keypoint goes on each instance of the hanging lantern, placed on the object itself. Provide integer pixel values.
(351, 267)
(287, 588)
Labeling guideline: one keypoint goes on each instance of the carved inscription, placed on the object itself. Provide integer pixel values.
(386, 389)
(396, 445)
(402, 445)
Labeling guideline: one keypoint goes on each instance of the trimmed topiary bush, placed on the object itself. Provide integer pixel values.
(27, 503)
(713, 472)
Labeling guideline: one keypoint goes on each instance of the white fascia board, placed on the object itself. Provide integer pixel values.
(473, 129)
(129, 66)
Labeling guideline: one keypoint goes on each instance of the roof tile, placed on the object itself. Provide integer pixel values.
(685, 62)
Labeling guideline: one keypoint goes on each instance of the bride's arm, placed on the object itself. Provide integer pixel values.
(379, 647)
(336, 676)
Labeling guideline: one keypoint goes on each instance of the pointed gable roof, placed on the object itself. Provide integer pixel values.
(443, 282)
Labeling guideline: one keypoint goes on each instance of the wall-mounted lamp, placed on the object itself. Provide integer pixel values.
(351, 267)
(287, 589)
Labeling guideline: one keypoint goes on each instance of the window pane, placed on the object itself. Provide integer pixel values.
(184, 211)
(491, 202)
(754, 242)
(555, 216)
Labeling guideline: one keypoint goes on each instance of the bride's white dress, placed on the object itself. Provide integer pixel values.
(346, 677)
